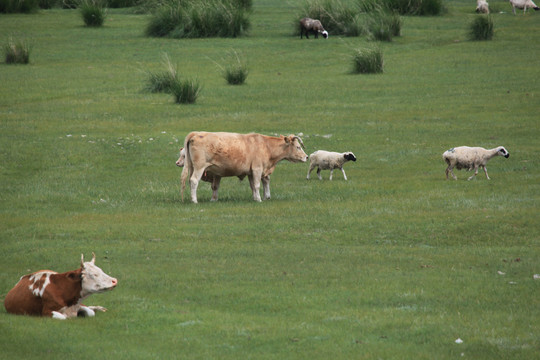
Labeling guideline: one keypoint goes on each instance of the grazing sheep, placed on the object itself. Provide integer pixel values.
(469, 158)
(310, 25)
(482, 7)
(326, 160)
(523, 4)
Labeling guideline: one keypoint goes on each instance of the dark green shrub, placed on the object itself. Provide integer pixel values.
(199, 19)
(93, 12)
(17, 52)
(383, 25)
(368, 61)
(18, 6)
(186, 91)
(481, 28)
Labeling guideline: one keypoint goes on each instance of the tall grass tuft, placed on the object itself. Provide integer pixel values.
(481, 28)
(162, 82)
(186, 91)
(19, 6)
(199, 19)
(383, 25)
(415, 7)
(236, 71)
(368, 61)
(17, 52)
(93, 12)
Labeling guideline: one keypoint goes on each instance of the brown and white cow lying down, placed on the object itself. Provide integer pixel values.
(48, 293)
(221, 154)
(308, 25)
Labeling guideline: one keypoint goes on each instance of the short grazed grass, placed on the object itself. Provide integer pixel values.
(394, 263)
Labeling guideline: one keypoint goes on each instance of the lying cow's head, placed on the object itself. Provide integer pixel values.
(296, 152)
(94, 280)
(182, 158)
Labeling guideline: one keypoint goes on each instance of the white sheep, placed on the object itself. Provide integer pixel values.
(464, 157)
(326, 160)
(523, 4)
(482, 7)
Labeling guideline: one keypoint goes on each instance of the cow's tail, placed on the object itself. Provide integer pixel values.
(188, 166)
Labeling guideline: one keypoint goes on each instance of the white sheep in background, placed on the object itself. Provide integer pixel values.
(523, 4)
(326, 160)
(482, 7)
(464, 157)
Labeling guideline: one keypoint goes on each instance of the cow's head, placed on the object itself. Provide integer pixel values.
(296, 149)
(94, 280)
(182, 158)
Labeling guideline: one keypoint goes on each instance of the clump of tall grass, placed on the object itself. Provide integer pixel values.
(186, 91)
(383, 25)
(406, 7)
(17, 52)
(235, 72)
(162, 82)
(481, 28)
(338, 17)
(18, 6)
(199, 19)
(93, 12)
(368, 61)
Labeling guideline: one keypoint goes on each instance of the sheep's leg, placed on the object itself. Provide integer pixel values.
(344, 176)
(311, 167)
(266, 187)
(450, 170)
(331, 172)
(475, 173)
(485, 171)
(215, 188)
(319, 173)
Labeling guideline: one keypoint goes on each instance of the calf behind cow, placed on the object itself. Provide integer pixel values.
(211, 156)
(48, 293)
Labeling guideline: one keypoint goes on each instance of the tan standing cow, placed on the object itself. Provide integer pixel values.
(48, 293)
(216, 155)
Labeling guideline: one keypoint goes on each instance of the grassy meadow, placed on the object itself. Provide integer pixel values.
(395, 263)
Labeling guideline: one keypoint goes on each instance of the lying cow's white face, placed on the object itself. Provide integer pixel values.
(94, 280)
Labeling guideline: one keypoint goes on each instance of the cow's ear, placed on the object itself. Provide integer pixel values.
(286, 138)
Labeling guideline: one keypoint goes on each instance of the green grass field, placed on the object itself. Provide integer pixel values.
(395, 263)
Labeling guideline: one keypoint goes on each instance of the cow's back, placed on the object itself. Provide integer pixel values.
(21, 300)
(225, 154)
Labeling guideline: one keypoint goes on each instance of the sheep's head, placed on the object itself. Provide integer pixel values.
(503, 152)
(325, 34)
(349, 156)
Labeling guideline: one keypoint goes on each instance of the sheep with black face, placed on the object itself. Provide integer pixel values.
(465, 157)
(308, 25)
(327, 160)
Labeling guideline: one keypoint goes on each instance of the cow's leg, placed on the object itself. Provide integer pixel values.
(86, 311)
(215, 188)
(319, 173)
(255, 184)
(194, 183)
(344, 176)
(266, 187)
